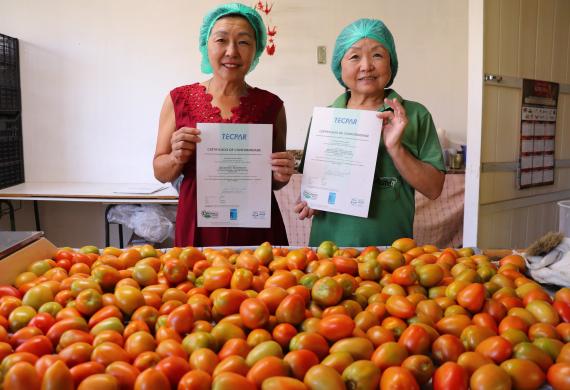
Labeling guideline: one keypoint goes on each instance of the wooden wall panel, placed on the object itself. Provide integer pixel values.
(563, 177)
(485, 231)
(508, 127)
(544, 40)
(486, 186)
(563, 127)
(492, 32)
(518, 237)
(527, 43)
(561, 44)
(504, 184)
(509, 37)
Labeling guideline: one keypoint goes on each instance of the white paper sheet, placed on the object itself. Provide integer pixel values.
(340, 160)
(233, 171)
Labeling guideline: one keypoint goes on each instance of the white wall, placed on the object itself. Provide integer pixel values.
(94, 73)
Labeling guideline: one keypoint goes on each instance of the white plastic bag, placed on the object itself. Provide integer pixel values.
(153, 222)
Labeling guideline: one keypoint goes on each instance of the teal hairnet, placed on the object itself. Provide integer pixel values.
(354, 32)
(252, 17)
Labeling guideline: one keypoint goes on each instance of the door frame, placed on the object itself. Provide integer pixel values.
(475, 75)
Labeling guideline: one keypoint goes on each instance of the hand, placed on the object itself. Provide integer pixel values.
(394, 124)
(303, 209)
(283, 166)
(183, 143)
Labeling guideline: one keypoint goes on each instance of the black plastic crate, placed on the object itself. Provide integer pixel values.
(10, 100)
(11, 152)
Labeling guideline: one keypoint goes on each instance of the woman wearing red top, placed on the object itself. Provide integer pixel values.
(232, 38)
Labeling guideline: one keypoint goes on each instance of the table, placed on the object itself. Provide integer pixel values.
(104, 193)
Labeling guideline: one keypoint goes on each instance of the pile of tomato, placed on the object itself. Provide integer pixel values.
(276, 318)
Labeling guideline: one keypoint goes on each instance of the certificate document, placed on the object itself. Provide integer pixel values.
(340, 160)
(233, 173)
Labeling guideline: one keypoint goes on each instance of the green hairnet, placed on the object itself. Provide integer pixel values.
(354, 32)
(232, 9)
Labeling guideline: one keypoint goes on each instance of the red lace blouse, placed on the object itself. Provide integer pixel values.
(192, 105)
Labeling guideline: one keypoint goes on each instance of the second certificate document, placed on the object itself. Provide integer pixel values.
(233, 172)
(340, 160)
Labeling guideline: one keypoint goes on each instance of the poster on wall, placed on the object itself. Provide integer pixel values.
(538, 128)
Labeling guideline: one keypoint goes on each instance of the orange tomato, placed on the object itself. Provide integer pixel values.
(195, 380)
(496, 348)
(21, 376)
(151, 379)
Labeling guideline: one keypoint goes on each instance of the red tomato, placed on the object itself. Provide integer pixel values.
(24, 334)
(254, 313)
(11, 291)
(450, 376)
(267, 367)
(107, 353)
(311, 341)
(21, 376)
(103, 314)
(283, 333)
(174, 368)
(124, 373)
(400, 307)
(146, 360)
(472, 297)
(57, 377)
(43, 321)
(496, 348)
(300, 362)
(558, 376)
(420, 366)
(405, 275)
(398, 378)
(38, 345)
(524, 374)
(323, 377)
(138, 343)
(389, 354)
(336, 326)
(227, 301)
(63, 325)
(447, 348)
(45, 362)
(76, 353)
(291, 310)
(181, 319)
(416, 340)
(151, 379)
(195, 380)
(100, 382)
(175, 271)
(84, 370)
(490, 376)
(230, 380)
(563, 309)
(272, 297)
(345, 265)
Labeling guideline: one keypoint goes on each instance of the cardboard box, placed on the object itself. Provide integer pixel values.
(16, 263)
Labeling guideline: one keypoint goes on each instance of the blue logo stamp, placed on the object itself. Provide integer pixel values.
(233, 214)
(332, 198)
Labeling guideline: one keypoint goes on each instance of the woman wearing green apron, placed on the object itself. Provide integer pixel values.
(409, 157)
